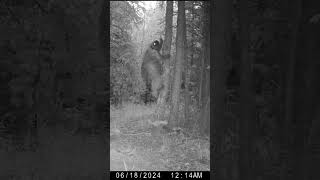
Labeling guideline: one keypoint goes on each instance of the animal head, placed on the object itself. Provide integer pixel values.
(156, 45)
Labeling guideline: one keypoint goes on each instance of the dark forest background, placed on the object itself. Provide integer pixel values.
(53, 84)
(273, 132)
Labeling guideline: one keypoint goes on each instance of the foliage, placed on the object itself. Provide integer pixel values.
(123, 63)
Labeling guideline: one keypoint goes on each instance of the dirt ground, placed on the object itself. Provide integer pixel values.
(133, 147)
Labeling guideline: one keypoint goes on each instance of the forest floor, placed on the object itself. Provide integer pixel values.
(133, 147)
(59, 155)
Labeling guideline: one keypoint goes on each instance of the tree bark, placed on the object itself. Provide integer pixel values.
(180, 56)
(205, 104)
(166, 50)
(187, 69)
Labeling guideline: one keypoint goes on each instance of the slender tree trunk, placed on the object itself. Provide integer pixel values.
(143, 32)
(187, 97)
(221, 55)
(180, 56)
(246, 96)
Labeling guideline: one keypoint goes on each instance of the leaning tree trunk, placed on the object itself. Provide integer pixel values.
(180, 56)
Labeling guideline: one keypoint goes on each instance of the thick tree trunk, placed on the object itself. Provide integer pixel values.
(180, 56)
(166, 50)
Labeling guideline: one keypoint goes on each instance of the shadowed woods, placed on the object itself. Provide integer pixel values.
(53, 89)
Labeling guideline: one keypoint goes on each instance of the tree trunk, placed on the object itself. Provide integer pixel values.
(180, 56)
(187, 69)
(221, 55)
(166, 50)
(187, 96)
(246, 96)
(205, 104)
